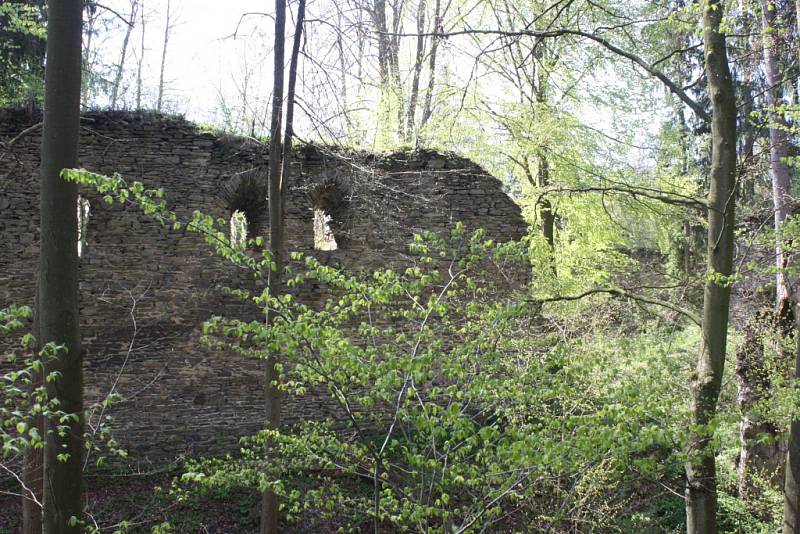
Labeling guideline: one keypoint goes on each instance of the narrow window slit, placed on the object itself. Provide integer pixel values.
(323, 235)
(84, 210)
(238, 229)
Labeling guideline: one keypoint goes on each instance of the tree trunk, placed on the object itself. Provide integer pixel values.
(427, 109)
(379, 19)
(797, 21)
(546, 214)
(778, 152)
(58, 264)
(756, 458)
(269, 500)
(394, 65)
(87, 55)
(343, 81)
(418, 60)
(701, 487)
(123, 53)
(139, 63)
(160, 100)
(34, 458)
(791, 487)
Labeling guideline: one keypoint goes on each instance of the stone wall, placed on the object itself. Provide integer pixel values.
(145, 290)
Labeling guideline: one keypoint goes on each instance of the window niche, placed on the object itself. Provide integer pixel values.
(323, 235)
(244, 196)
(328, 205)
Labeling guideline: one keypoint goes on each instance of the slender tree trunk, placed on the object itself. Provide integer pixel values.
(123, 54)
(539, 83)
(791, 487)
(58, 264)
(797, 21)
(160, 100)
(34, 458)
(140, 61)
(756, 458)
(701, 487)
(394, 66)
(343, 72)
(748, 186)
(779, 169)
(546, 214)
(269, 500)
(418, 61)
(384, 65)
(379, 18)
(427, 109)
(87, 56)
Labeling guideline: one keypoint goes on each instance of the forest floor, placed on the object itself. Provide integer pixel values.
(143, 502)
(139, 504)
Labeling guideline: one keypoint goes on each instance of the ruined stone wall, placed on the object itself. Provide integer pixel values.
(145, 290)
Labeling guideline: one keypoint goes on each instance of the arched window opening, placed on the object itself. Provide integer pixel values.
(330, 208)
(83, 223)
(238, 229)
(323, 235)
(244, 197)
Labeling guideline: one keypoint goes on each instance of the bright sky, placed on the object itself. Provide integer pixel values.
(203, 61)
(206, 67)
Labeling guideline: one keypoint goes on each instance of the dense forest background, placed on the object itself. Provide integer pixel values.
(641, 376)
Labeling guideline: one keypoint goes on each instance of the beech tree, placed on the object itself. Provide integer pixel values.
(57, 312)
(701, 484)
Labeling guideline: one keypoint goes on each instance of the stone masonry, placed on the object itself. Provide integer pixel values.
(146, 290)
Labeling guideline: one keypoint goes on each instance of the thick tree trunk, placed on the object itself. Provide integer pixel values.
(58, 263)
(701, 487)
(269, 501)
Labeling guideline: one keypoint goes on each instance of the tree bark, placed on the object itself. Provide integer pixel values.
(269, 500)
(58, 264)
(701, 487)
